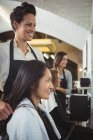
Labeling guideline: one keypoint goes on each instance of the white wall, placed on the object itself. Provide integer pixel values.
(87, 56)
(91, 61)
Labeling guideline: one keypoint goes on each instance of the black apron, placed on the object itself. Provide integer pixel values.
(61, 96)
(13, 69)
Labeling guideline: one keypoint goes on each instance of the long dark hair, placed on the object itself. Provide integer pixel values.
(27, 81)
(54, 73)
(20, 11)
(58, 58)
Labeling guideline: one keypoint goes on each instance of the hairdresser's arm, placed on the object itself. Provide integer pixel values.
(5, 110)
(63, 90)
(69, 83)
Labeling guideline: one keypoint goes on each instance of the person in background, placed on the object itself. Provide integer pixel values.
(30, 121)
(17, 51)
(53, 104)
(60, 62)
(67, 129)
(55, 108)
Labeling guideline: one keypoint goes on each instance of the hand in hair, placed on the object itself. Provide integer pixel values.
(5, 110)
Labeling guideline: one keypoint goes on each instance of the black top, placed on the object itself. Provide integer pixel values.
(61, 96)
(48, 126)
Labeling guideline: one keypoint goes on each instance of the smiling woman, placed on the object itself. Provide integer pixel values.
(33, 83)
(23, 22)
(60, 62)
(17, 51)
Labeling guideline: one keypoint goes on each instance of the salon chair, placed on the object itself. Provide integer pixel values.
(79, 107)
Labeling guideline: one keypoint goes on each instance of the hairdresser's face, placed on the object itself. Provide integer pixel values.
(64, 61)
(25, 30)
(45, 85)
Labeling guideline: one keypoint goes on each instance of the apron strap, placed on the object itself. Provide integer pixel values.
(33, 52)
(12, 52)
(64, 74)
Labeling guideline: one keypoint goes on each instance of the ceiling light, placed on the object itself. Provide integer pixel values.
(52, 56)
(46, 55)
(80, 69)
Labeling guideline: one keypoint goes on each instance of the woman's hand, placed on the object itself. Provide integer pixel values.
(5, 110)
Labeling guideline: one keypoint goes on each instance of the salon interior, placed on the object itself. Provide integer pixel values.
(62, 25)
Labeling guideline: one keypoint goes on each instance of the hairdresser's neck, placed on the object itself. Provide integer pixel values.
(60, 70)
(21, 44)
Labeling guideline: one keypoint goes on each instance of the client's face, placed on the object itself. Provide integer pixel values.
(45, 85)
